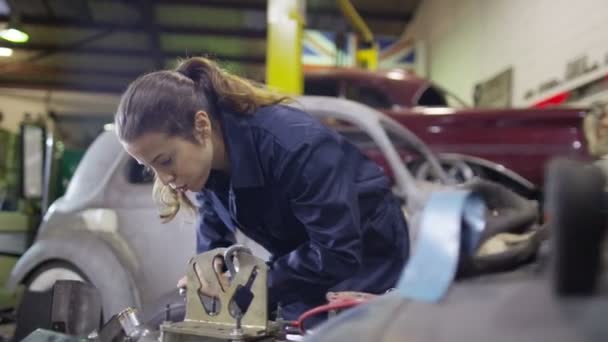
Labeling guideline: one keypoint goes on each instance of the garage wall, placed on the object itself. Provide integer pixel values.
(468, 41)
(14, 103)
(13, 109)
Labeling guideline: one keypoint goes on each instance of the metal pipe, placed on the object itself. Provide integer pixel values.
(355, 19)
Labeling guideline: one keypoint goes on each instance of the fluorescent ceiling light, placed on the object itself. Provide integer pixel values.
(396, 74)
(14, 35)
(6, 52)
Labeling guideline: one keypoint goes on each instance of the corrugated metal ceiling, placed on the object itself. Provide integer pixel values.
(102, 44)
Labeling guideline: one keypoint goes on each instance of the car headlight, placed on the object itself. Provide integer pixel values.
(595, 129)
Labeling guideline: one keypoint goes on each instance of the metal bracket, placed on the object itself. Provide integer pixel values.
(219, 324)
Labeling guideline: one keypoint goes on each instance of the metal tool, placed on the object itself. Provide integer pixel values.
(240, 309)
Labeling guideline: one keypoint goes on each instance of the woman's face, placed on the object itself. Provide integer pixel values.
(180, 163)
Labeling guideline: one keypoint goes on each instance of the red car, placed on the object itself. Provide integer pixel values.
(517, 140)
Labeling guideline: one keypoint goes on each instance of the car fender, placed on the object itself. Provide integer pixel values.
(94, 257)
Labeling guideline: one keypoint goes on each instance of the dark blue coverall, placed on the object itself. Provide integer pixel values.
(323, 210)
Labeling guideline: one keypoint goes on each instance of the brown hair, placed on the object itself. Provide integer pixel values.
(166, 101)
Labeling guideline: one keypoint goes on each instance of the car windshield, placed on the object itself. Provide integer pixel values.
(435, 96)
(364, 141)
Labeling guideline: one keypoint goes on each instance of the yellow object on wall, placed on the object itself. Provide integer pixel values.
(367, 48)
(367, 58)
(285, 20)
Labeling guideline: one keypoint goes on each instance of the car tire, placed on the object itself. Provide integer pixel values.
(34, 309)
(44, 277)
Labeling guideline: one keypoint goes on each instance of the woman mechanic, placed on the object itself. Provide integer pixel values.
(322, 209)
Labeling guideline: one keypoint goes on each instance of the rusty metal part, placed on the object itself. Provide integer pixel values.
(221, 325)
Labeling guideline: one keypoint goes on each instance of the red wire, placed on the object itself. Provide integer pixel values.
(343, 304)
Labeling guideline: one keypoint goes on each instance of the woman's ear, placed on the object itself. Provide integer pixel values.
(202, 125)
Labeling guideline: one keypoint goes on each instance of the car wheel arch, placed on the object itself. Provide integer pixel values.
(105, 270)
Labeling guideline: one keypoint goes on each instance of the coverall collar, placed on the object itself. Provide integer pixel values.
(245, 169)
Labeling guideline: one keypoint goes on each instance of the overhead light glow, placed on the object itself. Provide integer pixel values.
(6, 52)
(434, 110)
(14, 35)
(395, 75)
(434, 129)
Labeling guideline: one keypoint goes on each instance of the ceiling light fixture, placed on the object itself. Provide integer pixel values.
(14, 35)
(11, 31)
(6, 52)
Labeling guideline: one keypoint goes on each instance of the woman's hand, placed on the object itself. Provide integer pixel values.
(182, 282)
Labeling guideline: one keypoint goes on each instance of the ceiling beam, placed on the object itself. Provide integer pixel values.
(48, 8)
(61, 85)
(138, 27)
(151, 25)
(401, 16)
(32, 69)
(235, 5)
(54, 78)
(260, 60)
(73, 45)
(252, 33)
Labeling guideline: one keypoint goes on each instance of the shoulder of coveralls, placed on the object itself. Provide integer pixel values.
(288, 126)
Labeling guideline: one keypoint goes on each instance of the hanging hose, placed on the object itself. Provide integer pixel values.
(343, 304)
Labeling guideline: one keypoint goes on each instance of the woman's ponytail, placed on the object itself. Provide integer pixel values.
(227, 90)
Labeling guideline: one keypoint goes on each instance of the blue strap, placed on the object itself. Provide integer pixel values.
(228, 216)
(448, 218)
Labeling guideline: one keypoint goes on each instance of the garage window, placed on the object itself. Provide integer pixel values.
(435, 96)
